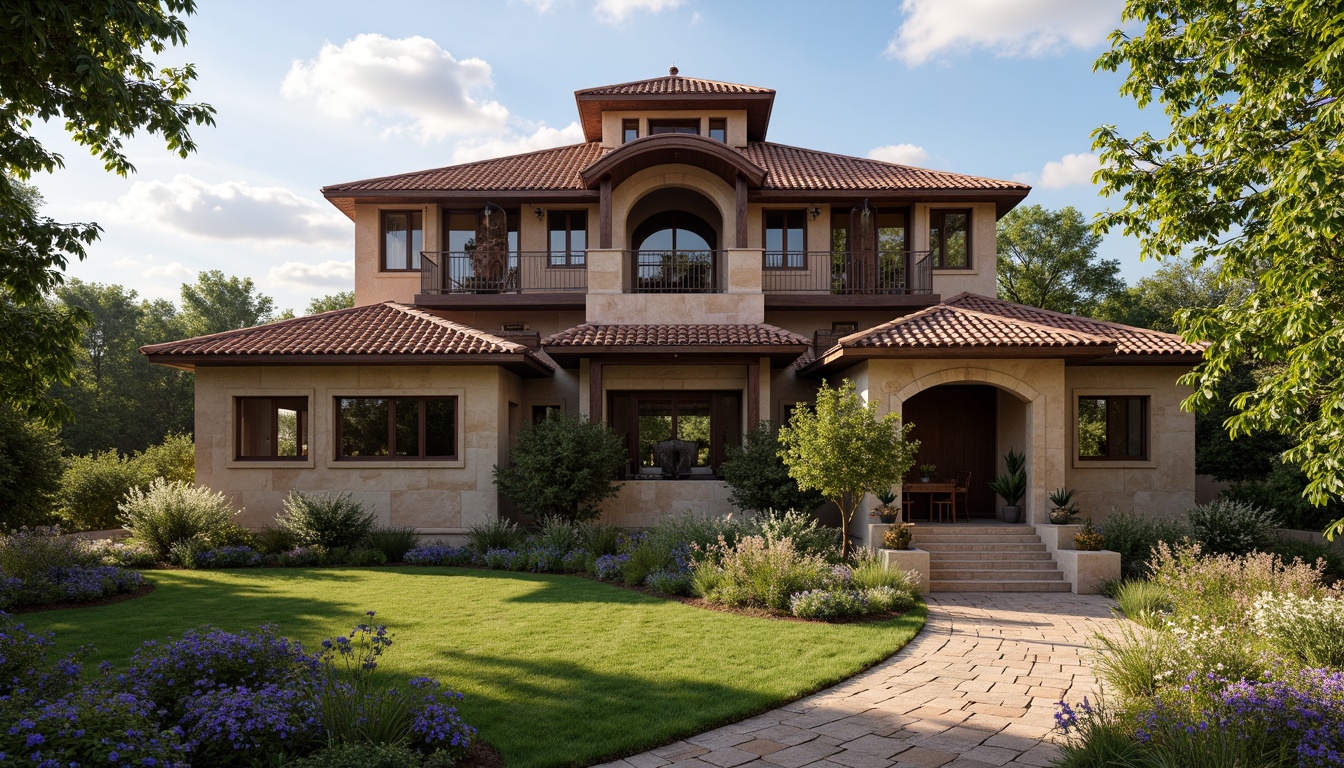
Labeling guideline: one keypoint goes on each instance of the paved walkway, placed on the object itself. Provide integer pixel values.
(976, 688)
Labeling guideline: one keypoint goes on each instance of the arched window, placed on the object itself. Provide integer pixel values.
(675, 231)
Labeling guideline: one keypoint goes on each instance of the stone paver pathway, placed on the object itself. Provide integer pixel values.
(976, 688)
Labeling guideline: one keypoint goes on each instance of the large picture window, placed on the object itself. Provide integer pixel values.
(785, 240)
(1113, 428)
(403, 240)
(689, 125)
(950, 239)
(710, 420)
(273, 428)
(392, 428)
(568, 238)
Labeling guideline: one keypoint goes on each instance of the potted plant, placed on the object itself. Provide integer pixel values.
(1062, 507)
(887, 510)
(897, 536)
(1089, 539)
(926, 472)
(1011, 485)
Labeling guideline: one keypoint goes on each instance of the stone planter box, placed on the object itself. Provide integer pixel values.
(908, 560)
(1087, 571)
(1057, 537)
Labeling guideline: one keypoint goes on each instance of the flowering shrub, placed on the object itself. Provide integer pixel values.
(609, 567)
(172, 512)
(886, 599)
(228, 557)
(89, 726)
(30, 552)
(228, 724)
(1223, 588)
(125, 554)
(828, 604)
(1309, 630)
(301, 557)
(1231, 527)
(438, 554)
(506, 559)
(757, 573)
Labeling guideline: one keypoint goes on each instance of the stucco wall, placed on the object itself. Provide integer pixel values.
(981, 277)
(436, 497)
(1162, 486)
(737, 123)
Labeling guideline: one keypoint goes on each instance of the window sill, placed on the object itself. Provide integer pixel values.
(394, 464)
(269, 463)
(1114, 464)
(956, 270)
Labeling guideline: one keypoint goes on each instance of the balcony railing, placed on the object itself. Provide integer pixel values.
(481, 272)
(674, 271)
(847, 272)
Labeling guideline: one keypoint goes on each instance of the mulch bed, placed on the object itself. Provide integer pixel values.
(144, 589)
(481, 755)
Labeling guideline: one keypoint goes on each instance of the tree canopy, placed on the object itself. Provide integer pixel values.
(1048, 259)
(1153, 301)
(333, 301)
(83, 63)
(1251, 174)
(216, 303)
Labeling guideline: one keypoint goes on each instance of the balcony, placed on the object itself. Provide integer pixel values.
(675, 271)
(847, 278)
(534, 279)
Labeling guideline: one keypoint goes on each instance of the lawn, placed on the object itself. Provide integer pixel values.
(556, 670)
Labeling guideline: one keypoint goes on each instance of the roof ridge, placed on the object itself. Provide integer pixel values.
(988, 316)
(467, 164)
(884, 162)
(272, 324)
(677, 76)
(415, 311)
(1066, 315)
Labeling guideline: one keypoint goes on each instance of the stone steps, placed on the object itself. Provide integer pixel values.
(989, 585)
(988, 558)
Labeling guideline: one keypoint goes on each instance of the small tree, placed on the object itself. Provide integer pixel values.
(758, 477)
(563, 466)
(844, 450)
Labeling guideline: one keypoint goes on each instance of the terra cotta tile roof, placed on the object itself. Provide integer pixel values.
(673, 335)
(808, 169)
(1128, 340)
(943, 326)
(374, 330)
(671, 84)
(556, 168)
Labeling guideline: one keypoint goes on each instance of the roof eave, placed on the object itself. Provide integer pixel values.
(524, 364)
(779, 354)
(840, 358)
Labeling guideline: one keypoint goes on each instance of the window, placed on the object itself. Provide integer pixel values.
(950, 239)
(691, 125)
(629, 130)
(391, 428)
(785, 240)
(845, 326)
(271, 428)
(568, 237)
(403, 239)
(718, 129)
(710, 420)
(541, 413)
(1113, 428)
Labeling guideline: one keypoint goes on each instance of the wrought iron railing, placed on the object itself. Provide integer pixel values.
(674, 271)
(847, 272)
(481, 272)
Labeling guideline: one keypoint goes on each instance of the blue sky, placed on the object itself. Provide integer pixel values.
(317, 93)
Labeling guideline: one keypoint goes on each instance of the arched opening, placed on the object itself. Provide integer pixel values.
(674, 236)
(675, 231)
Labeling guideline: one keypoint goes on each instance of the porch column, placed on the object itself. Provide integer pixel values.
(753, 393)
(741, 211)
(595, 406)
(604, 208)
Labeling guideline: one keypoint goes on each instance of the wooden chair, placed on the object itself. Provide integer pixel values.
(949, 505)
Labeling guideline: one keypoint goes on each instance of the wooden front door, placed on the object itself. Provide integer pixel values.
(956, 425)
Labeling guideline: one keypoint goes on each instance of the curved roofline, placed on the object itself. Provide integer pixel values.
(713, 155)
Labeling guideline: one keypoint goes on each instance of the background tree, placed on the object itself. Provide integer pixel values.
(1250, 174)
(759, 480)
(1048, 259)
(1153, 301)
(563, 466)
(30, 470)
(84, 63)
(843, 449)
(330, 302)
(216, 303)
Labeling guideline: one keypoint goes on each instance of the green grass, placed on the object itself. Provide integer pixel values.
(556, 670)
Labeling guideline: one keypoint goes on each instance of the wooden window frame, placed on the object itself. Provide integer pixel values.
(719, 122)
(411, 256)
(940, 253)
(784, 254)
(567, 257)
(628, 124)
(392, 427)
(1145, 431)
(718, 450)
(674, 122)
(301, 428)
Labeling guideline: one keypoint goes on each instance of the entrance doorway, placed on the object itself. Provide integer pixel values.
(957, 428)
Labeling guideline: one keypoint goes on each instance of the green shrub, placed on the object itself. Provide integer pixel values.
(369, 756)
(759, 480)
(1134, 536)
(559, 534)
(599, 539)
(887, 599)
(869, 572)
(828, 604)
(1222, 588)
(184, 552)
(1143, 602)
(758, 574)
(365, 556)
(675, 538)
(496, 534)
(326, 520)
(1311, 552)
(124, 554)
(1309, 630)
(172, 459)
(27, 553)
(1231, 527)
(272, 540)
(172, 512)
(30, 471)
(393, 541)
(563, 466)
(808, 536)
(93, 486)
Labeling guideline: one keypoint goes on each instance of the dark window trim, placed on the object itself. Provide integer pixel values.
(411, 257)
(569, 260)
(674, 122)
(723, 123)
(1145, 400)
(392, 427)
(301, 428)
(940, 252)
(630, 431)
(628, 124)
(765, 254)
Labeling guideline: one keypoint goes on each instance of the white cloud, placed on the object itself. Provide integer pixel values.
(617, 11)
(901, 154)
(230, 210)
(1005, 27)
(1069, 171)
(540, 6)
(696, 18)
(500, 146)
(328, 275)
(411, 82)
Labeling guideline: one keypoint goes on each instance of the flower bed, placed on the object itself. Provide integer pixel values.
(42, 566)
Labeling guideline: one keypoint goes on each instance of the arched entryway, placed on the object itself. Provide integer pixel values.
(674, 242)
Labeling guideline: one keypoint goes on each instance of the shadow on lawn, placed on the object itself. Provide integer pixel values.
(548, 587)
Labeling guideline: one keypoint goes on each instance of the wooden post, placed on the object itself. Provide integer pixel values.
(741, 211)
(595, 391)
(604, 208)
(753, 393)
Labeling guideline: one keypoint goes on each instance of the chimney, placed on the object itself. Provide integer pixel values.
(823, 339)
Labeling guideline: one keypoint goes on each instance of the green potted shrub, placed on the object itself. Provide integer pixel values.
(888, 511)
(1089, 539)
(1062, 508)
(897, 536)
(926, 472)
(1011, 485)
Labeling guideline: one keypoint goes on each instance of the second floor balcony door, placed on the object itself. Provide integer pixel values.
(675, 252)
